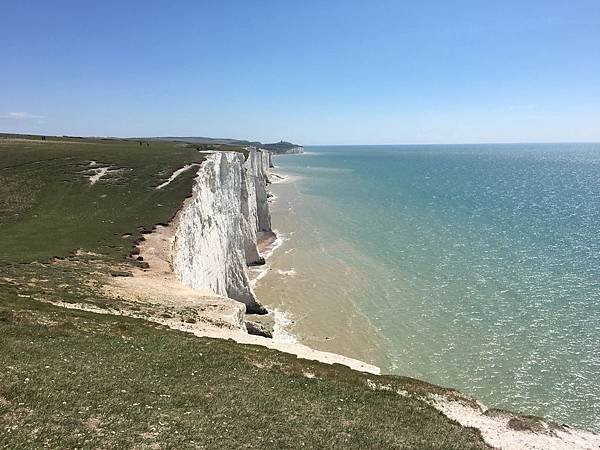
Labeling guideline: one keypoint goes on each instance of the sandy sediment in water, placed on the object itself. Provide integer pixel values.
(266, 239)
(308, 307)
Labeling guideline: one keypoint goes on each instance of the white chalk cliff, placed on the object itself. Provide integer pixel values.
(258, 164)
(294, 150)
(216, 234)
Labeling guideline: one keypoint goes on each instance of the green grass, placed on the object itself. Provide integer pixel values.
(49, 208)
(72, 379)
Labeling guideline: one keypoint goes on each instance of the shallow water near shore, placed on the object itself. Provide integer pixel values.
(474, 267)
(297, 285)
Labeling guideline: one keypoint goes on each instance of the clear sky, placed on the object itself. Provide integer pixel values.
(327, 71)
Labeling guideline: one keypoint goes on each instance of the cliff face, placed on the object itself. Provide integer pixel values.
(258, 164)
(294, 150)
(216, 234)
(291, 150)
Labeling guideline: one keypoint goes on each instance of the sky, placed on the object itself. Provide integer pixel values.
(313, 72)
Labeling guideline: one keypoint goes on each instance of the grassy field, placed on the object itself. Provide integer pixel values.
(72, 379)
(75, 379)
(48, 207)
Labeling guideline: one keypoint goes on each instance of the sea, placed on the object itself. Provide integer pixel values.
(475, 267)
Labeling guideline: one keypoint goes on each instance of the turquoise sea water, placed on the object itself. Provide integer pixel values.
(483, 263)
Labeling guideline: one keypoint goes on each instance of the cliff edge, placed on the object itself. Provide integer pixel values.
(217, 228)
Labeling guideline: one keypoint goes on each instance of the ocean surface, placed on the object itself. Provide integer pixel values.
(471, 266)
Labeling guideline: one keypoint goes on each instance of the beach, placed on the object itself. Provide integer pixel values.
(306, 309)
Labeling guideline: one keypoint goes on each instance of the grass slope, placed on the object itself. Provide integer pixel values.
(48, 206)
(75, 379)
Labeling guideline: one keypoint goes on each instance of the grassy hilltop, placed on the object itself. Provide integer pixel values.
(77, 379)
(48, 207)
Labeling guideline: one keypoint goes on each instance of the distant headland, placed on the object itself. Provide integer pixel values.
(278, 148)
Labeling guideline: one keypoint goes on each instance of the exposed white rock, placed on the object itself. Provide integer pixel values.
(294, 150)
(216, 234)
(258, 168)
(175, 175)
(277, 149)
(242, 337)
(97, 174)
(249, 225)
(496, 430)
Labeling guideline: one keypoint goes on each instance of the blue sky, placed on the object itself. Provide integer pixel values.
(315, 72)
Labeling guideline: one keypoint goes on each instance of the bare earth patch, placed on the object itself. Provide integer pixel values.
(175, 175)
(510, 431)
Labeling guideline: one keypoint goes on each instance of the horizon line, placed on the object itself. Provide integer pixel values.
(303, 145)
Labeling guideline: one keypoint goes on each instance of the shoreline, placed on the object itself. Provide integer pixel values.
(303, 308)
(164, 299)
